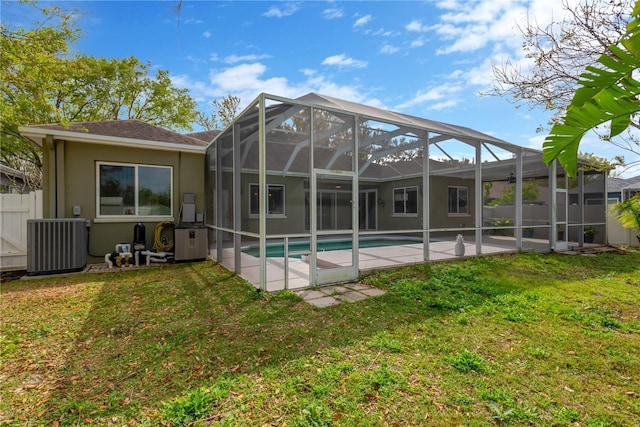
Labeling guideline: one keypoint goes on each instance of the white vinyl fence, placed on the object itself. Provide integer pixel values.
(620, 236)
(15, 210)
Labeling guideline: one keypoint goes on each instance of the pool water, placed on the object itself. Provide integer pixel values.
(277, 249)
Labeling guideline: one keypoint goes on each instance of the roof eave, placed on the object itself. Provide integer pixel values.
(37, 135)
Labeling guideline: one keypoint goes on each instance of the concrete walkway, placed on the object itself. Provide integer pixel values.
(327, 296)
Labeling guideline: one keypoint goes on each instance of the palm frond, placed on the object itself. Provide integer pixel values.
(608, 93)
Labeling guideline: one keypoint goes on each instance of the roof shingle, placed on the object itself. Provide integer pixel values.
(132, 129)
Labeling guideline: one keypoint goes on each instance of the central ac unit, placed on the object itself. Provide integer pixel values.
(56, 245)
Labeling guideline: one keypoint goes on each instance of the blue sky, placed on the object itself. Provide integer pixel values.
(426, 58)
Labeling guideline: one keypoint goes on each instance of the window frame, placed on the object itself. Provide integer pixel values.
(457, 213)
(404, 212)
(253, 214)
(99, 217)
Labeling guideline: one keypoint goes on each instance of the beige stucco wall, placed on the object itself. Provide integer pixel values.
(293, 221)
(71, 169)
(438, 205)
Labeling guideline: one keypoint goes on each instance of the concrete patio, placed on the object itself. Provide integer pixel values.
(374, 258)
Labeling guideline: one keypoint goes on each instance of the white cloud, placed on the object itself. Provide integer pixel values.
(419, 42)
(535, 142)
(469, 26)
(200, 91)
(189, 21)
(387, 48)
(282, 10)
(450, 103)
(332, 13)
(206, 34)
(444, 93)
(247, 81)
(232, 59)
(343, 61)
(308, 72)
(364, 20)
(380, 32)
(214, 57)
(482, 74)
(415, 26)
(456, 74)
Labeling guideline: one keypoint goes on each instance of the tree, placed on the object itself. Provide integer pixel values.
(628, 213)
(40, 82)
(530, 192)
(224, 111)
(560, 52)
(28, 60)
(113, 89)
(608, 93)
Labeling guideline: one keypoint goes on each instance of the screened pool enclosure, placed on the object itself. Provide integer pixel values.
(311, 191)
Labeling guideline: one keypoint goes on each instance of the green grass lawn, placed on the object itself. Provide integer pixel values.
(522, 339)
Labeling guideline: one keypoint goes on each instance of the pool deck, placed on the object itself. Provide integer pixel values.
(374, 258)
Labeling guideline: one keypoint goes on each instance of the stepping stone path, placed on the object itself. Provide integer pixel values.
(327, 296)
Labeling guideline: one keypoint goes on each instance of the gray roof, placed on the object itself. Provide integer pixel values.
(279, 154)
(456, 131)
(130, 129)
(617, 184)
(206, 136)
(287, 150)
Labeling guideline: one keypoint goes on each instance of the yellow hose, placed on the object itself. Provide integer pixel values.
(158, 243)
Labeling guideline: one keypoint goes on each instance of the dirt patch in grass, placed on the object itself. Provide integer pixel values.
(7, 276)
(597, 250)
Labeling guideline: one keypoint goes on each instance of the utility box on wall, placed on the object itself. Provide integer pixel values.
(190, 243)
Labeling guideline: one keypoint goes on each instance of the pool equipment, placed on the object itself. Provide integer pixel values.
(120, 257)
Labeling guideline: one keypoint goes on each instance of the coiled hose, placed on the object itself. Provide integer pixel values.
(163, 243)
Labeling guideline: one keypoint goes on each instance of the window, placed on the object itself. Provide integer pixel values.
(134, 190)
(275, 199)
(458, 200)
(405, 201)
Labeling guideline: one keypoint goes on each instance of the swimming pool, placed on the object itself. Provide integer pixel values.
(277, 249)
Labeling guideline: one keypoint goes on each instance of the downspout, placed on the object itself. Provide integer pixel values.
(51, 177)
(60, 184)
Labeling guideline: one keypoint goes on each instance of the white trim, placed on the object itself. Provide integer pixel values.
(458, 213)
(393, 201)
(131, 218)
(367, 192)
(282, 215)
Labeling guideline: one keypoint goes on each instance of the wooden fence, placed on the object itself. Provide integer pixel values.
(15, 210)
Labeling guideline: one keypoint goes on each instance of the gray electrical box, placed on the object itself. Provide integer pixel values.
(190, 243)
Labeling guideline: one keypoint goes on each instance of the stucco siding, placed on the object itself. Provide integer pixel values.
(76, 185)
(293, 219)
